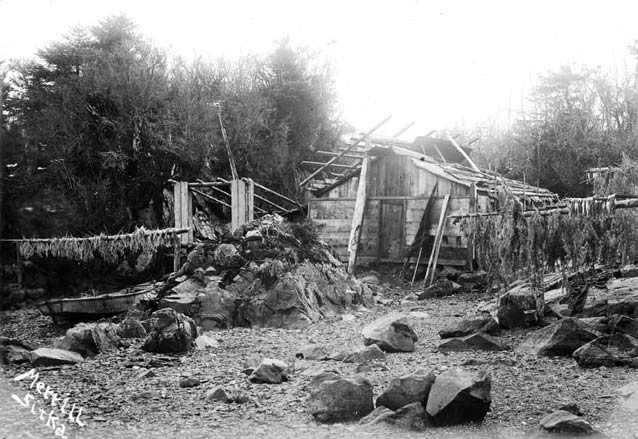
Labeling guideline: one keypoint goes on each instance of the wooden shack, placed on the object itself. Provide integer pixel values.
(400, 179)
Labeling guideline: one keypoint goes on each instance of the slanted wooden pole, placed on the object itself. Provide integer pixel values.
(357, 217)
(344, 151)
(463, 153)
(438, 237)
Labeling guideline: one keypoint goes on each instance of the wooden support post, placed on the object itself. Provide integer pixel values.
(177, 247)
(470, 237)
(183, 208)
(438, 237)
(357, 217)
(242, 196)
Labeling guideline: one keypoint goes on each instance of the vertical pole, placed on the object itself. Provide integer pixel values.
(242, 195)
(177, 244)
(177, 204)
(184, 212)
(18, 265)
(470, 238)
(189, 215)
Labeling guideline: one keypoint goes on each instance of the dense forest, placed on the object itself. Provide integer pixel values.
(95, 126)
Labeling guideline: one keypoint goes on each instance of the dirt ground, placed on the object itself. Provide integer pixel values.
(118, 403)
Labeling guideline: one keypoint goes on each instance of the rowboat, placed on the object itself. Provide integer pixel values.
(95, 307)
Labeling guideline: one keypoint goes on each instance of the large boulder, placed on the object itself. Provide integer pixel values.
(216, 307)
(473, 342)
(624, 324)
(391, 333)
(459, 397)
(170, 332)
(560, 338)
(517, 308)
(13, 351)
(609, 350)
(480, 323)
(341, 399)
(407, 389)
(270, 371)
(365, 355)
(629, 397)
(89, 339)
(183, 297)
(54, 357)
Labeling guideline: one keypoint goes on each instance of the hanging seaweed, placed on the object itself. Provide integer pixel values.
(111, 249)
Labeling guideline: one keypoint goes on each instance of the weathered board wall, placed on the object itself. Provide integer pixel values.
(398, 192)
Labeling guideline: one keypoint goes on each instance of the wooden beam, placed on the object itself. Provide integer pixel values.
(242, 192)
(347, 156)
(436, 148)
(211, 198)
(332, 160)
(438, 238)
(233, 169)
(463, 153)
(357, 217)
(326, 165)
(403, 130)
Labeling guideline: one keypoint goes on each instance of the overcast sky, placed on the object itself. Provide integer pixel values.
(439, 63)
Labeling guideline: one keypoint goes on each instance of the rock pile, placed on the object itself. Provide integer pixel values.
(271, 273)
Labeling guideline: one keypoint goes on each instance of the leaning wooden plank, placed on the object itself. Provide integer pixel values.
(463, 153)
(437, 242)
(357, 217)
(348, 148)
(326, 164)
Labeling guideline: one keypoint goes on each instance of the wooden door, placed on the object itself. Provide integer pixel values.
(391, 229)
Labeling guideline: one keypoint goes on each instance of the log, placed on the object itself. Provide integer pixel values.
(463, 153)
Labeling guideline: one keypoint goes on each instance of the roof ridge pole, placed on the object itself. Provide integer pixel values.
(361, 139)
(463, 153)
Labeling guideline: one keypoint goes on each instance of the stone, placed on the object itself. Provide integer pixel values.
(609, 350)
(14, 351)
(146, 374)
(624, 324)
(409, 417)
(216, 307)
(324, 375)
(131, 328)
(313, 352)
(183, 297)
(407, 389)
(171, 332)
(227, 256)
(338, 355)
(473, 278)
(270, 371)
(458, 396)
(629, 396)
(54, 357)
(206, 341)
(473, 342)
(442, 287)
(629, 271)
(620, 297)
(341, 399)
(572, 408)
(517, 308)
(391, 333)
(480, 323)
(90, 339)
(376, 416)
(218, 394)
(562, 421)
(371, 279)
(560, 338)
(364, 355)
(189, 382)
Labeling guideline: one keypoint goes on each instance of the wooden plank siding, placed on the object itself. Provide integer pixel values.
(398, 192)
